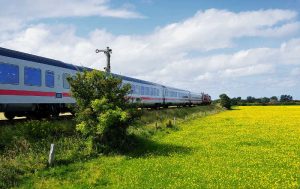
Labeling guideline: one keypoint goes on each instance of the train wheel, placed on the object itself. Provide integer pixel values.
(9, 115)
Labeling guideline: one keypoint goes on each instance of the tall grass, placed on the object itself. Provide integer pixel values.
(24, 146)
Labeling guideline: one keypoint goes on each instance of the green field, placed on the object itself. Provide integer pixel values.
(248, 147)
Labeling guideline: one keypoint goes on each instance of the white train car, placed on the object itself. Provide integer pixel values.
(144, 93)
(35, 86)
(196, 99)
(175, 96)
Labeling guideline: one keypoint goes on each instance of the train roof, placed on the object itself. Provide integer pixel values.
(39, 59)
(52, 62)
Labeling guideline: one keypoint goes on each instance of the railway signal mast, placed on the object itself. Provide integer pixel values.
(107, 52)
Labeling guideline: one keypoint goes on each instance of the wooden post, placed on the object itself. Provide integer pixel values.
(174, 120)
(51, 154)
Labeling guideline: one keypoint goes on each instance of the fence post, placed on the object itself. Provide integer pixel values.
(174, 120)
(51, 154)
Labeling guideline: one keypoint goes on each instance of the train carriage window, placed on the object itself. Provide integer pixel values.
(32, 76)
(49, 79)
(137, 87)
(9, 73)
(66, 84)
(133, 91)
(147, 91)
(142, 90)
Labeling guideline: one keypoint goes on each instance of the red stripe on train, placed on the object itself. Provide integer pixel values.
(153, 98)
(30, 93)
(66, 94)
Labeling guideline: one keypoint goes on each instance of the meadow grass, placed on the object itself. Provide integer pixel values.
(248, 147)
(24, 144)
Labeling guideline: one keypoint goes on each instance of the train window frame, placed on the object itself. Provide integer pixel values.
(29, 81)
(66, 84)
(132, 91)
(142, 90)
(147, 90)
(138, 89)
(47, 84)
(15, 81)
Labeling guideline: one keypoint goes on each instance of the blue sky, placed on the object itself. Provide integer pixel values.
(236, 47)
(161, 12)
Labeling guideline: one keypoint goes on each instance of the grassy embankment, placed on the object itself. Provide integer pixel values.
(250, 147)
(24, 147)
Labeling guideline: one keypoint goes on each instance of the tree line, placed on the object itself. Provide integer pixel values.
(284, 99)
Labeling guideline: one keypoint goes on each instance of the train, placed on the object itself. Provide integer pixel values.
(36, 87)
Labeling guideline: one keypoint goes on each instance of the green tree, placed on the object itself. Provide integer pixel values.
(251, 99)
(265, 100)
(225, 101)
(286, 98)
(236, 101)
(102, 112)
(274, 99)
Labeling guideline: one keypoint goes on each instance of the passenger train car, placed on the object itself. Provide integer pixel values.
(35, 86)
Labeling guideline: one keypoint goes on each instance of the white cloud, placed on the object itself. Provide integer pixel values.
(164, 56)
(295, 72)
(213, 29)
(14, 13)
(7, 24)
(36, 9)
(291, 51)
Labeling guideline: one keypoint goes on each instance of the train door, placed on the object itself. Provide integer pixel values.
(164, 91)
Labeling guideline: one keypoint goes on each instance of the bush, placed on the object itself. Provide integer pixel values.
(102, 112)
(225, 101)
